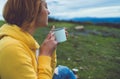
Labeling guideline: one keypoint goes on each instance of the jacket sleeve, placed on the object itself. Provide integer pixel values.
(18, 64)
(54, 61)
(50, 64)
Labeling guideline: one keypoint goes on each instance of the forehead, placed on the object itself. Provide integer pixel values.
(44, 2)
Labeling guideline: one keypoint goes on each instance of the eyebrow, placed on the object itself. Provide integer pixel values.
(45, 3)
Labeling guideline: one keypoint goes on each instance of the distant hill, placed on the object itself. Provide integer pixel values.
(97, 20)
(108, 22)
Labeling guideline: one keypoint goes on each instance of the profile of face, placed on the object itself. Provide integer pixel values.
(26, 13)
(42, 17)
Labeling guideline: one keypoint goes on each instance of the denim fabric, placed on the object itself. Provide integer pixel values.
(63, 72)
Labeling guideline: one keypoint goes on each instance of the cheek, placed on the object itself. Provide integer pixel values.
(43, 15)
(42, 18)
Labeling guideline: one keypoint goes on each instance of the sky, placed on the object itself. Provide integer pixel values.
(63, 9)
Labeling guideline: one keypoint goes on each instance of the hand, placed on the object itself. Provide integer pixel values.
(66, 32)
(49, 45)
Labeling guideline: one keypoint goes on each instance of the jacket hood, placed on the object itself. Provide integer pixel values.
(16, 33)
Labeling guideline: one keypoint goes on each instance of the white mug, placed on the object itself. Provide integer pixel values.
(60, 34)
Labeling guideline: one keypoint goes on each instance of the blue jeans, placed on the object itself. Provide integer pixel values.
(63, 72)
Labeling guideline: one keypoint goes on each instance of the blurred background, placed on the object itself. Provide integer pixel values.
(93, 44)
(65, 9)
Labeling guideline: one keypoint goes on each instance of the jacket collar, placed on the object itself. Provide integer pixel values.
(16, 33)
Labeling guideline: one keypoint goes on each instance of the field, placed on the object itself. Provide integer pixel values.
(94, 51)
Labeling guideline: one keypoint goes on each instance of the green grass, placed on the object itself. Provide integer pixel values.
(95, 56)
(1, 22)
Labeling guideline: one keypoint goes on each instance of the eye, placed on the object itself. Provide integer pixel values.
(46, 6)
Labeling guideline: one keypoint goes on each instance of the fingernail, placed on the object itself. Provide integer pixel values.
(53, 26)
(52, 33)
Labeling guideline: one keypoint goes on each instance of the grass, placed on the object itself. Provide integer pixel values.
(95, 56)
(1, 22)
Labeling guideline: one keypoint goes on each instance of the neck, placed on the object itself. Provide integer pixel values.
(31, 30)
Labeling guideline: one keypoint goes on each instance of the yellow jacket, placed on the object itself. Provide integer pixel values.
(18, 59)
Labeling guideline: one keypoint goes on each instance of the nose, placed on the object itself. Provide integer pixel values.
(48, 12)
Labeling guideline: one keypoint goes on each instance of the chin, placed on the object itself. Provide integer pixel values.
(44, 25)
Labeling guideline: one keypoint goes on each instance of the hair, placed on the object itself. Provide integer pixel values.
(21, 12)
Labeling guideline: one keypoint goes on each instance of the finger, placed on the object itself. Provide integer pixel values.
(52, 38)
(50, 35)
(65, 28)
(66, 32)
(52, 29)
(51, 32)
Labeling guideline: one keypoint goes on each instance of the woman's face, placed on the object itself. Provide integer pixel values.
(42, 18)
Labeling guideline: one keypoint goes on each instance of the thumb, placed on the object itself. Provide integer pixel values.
(52, 29)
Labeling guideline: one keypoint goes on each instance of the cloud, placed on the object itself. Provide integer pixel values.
(110, 11)
(2, 3)
(76, 4)
(80, 8)
(84, 8)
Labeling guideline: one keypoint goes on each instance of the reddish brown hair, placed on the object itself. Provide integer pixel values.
(21, 12)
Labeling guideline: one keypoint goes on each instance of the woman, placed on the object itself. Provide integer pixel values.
(18, 58)
(18, 47)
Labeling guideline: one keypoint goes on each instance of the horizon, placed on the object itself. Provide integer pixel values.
(65, 9)
(1, 18)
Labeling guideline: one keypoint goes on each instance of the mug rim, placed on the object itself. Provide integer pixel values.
(57, 29)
